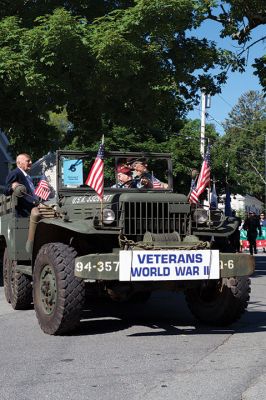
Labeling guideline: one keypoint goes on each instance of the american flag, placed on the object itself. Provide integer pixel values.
(42, 190)
(203, 179)
(156, 184)
(96, 175)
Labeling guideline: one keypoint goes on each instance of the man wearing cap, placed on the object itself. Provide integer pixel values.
(18, 177)
(252, 226)
(124, 176)
(144, 178)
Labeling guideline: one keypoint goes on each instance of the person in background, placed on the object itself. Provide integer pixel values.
(252, 226)
(19, 180)
(263, 224)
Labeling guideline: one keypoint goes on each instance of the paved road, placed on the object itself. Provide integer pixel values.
(153, 352)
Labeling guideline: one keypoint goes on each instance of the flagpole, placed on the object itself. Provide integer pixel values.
(209, 194)
(103, 190)
(209, 200)
(101, 211)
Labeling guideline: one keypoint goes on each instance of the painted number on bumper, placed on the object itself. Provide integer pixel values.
(100, 266)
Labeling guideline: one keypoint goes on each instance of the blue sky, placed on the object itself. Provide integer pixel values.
(237, 83)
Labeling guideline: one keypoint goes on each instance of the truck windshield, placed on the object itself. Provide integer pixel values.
(119, 172)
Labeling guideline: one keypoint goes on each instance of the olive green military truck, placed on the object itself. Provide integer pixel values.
(138, 239)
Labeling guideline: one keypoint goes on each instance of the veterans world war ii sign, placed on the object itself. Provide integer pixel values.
(162, 265)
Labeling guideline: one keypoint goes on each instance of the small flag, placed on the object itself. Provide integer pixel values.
(214, 202)
(227, 208)
(96, 175)
(156, 184)
(203, 179)
(42, 190)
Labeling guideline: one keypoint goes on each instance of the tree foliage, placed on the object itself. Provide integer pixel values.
(107, 63)
(241, 151)
(71, 70)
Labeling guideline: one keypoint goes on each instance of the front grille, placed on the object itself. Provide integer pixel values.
(155, 217)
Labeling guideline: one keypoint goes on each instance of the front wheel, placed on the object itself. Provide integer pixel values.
(57, 294)
(220, 302)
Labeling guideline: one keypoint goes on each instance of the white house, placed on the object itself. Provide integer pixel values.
(245, 203)
(241, 204)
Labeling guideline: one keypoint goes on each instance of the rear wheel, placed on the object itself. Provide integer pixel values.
(58, 295)
(18, 288)
(219, 302)
(6, 275)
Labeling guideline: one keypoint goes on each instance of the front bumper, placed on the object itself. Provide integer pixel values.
(106, 266)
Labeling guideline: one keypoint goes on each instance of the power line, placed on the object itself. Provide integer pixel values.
(225, 101)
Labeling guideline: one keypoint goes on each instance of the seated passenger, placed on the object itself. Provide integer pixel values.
(20, 182)
(124, 176)
(144, 179)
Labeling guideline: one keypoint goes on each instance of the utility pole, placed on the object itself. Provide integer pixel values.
(205, 103)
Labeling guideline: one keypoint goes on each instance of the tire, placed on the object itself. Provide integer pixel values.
(220, 302)
(18, 288)
(6, 275)
(58, 295)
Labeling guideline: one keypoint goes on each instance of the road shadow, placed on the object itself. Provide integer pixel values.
(164, 314)
(260, 269)
(1, 274)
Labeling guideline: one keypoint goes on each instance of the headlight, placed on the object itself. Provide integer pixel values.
(108, 216)
(200, 216)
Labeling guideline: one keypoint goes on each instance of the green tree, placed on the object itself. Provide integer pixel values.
(185, 149)
(242, 147)
(120, 64)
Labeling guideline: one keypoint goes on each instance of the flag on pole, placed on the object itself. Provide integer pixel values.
(227, 208)
(96, 175)
(214, 202)
(42, 190)
(203, 179)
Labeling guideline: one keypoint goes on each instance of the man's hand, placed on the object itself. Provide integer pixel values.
(146, 182)
(14, 185)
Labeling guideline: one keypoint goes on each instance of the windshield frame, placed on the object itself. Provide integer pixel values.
(117, 155)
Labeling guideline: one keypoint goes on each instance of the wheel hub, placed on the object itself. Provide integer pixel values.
(48, 289)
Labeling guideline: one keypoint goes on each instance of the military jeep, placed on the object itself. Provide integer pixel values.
(136, 240)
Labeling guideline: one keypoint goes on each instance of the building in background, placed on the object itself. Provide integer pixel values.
(243, 204)
(6, 160)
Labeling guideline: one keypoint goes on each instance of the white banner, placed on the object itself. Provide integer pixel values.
(168, 265)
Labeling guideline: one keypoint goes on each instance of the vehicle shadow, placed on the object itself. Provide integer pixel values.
(1, 274)
(164, 314)
(260, 269)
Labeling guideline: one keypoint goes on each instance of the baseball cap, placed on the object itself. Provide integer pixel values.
(123, 169)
